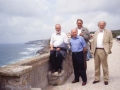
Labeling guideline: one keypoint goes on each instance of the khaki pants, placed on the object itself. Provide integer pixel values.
(100, 57)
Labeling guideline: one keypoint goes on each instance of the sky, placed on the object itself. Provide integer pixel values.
(26, 20)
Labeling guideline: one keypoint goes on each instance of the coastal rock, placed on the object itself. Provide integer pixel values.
(44, 50)
(46, 47)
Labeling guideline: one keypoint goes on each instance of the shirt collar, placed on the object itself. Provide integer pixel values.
(80, 28)
(102, 31)
(58, 34)
(75, 37)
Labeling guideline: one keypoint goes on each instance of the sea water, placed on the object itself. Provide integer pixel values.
(11, 53)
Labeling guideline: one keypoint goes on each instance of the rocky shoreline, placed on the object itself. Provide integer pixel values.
(42, 43)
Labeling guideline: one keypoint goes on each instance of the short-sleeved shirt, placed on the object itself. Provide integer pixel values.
(59, 40)
(77, 44)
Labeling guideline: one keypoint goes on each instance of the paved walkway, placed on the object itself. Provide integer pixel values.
(114, 72)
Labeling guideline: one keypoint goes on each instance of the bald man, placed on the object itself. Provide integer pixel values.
(78, 46)
(101, 48)
(58, 49)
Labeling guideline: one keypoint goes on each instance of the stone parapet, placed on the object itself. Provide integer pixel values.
(31, 73)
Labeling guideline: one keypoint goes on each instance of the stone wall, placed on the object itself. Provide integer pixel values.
(31, 73)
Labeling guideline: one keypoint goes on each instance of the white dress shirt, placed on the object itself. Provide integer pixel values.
(79, 31)
(59, 40)
(100, 39)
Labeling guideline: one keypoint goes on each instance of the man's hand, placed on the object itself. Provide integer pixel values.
(91, 52)
(81, 34)
(58, 49)
(51, 48)
(85, 49)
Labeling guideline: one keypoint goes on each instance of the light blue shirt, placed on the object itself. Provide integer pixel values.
(77, 44)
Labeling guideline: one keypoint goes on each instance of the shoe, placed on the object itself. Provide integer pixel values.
(52, 71)
(84, 83)
(74, 81)
(94, 82)
(106, 82)
(59, 71)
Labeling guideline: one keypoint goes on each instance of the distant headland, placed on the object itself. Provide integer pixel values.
(43, 43)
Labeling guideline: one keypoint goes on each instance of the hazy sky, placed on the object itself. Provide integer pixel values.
(24, 20)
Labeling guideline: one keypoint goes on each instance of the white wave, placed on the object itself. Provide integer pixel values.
(33, 49)
(25, 53)
(3, 65)
(32, 45)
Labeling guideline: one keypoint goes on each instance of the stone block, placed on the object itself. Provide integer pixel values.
(56, 78)
(35, 89)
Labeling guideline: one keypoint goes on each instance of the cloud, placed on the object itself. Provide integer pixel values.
(23, 7)
(24, 20)
(75, 6)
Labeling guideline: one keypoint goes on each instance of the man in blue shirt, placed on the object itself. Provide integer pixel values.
(78, 46)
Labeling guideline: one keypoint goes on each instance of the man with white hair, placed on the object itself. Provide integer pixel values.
(58, 49)
(101, 48)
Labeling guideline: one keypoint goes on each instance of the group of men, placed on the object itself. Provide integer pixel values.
(101, 47)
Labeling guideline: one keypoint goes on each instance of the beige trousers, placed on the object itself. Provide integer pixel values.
(100, 57)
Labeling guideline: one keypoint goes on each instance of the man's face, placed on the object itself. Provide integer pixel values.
(101, 25)
(79, 24)
(58, 29)
(74, 33)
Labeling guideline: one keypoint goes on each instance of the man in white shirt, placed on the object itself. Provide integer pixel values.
(101, 47)
(58, 49)
(84, 32)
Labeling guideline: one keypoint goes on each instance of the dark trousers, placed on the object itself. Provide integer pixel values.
(85, 59)
(56, 60)
(79, 66)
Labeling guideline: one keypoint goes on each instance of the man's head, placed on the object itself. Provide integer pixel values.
(79, 23)
(102, 25)
(58, 28)
(74, 33)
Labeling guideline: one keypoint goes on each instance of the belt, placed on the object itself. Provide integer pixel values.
(76, 52)
(60, 48)
(99, 48)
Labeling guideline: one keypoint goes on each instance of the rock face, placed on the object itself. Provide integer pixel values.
(39, 42)
(46, 47)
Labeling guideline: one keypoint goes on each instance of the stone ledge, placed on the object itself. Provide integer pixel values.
(30, 61)
(14, 70)
(35, 89)
(24, 66)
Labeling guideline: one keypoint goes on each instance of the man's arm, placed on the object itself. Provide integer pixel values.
(83, 44)
(86, 34)
(92, 45)
(51, 43)
(111, 40)
(66, 42)
(51, 47)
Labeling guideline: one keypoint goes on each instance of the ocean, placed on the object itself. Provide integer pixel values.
(11, 53)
